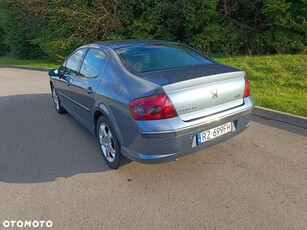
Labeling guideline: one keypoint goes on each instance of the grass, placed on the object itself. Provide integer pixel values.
(278, 81)
(35, 63)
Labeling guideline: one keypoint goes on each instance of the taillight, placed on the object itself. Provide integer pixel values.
(153, 108)
(247, 89)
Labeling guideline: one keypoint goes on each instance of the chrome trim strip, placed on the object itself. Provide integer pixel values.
(77, 103)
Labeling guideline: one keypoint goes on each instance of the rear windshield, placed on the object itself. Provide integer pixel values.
(146, 58)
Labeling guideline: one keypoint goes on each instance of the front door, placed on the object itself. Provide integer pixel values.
(68, 71)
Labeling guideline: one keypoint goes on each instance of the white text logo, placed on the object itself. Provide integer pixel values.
(27, 224)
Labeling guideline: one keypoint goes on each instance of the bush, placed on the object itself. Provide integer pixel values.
(4, 49)
(52, 29)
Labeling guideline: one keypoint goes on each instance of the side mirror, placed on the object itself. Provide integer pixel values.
(54, 73)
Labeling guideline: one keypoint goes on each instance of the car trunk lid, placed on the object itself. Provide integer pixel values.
(202, 91)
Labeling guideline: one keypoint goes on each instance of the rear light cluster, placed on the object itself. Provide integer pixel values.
(247, 89)
(153, 108)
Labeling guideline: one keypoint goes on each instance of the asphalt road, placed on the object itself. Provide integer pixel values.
(51, 169)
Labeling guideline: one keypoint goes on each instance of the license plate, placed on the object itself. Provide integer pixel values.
(214, 132)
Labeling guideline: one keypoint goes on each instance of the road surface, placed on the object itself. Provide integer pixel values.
(51, 169)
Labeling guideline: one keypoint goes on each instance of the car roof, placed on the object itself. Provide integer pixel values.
(115, 44)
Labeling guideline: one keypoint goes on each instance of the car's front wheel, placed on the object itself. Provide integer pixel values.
(109, 144)
(57, 102)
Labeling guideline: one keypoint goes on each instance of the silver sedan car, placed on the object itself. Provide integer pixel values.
(149, 100)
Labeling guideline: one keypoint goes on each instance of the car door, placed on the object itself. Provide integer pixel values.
(86, 82)
(68, 71)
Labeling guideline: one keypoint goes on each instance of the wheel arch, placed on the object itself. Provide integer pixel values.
(107, 114)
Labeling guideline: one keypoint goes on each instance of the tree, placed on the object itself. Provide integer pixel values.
(4, 49)
(52, 29)
(286, 25)
(66, 25)
(19, 29)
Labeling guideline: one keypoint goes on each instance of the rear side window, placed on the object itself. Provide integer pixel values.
(148, 57)
(93, 63)
(73, 62)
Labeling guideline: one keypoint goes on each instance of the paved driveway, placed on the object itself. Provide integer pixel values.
(51, 169)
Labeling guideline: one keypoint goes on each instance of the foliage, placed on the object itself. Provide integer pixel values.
(19, 31)
(52, 29)
(286, 29)
(3, 46)
(69, 24)
(55, 28)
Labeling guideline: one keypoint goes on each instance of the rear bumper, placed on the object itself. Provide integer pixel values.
(157, 146)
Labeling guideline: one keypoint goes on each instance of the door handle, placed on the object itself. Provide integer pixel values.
(90, 90)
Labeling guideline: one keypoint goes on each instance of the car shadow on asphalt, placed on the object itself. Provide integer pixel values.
(280, 125)
(40, 145)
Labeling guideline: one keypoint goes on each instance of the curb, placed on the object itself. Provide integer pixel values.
(288, 118)
(25, 67)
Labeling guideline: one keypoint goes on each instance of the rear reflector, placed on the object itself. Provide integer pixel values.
(152, 108)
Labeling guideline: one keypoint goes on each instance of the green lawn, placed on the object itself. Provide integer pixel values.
(278, 81)
(35, 63)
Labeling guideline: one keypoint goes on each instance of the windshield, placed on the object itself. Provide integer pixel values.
(145, 58)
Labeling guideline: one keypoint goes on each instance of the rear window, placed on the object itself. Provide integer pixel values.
(146, 58)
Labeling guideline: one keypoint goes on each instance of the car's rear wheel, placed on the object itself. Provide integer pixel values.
(57, 102)
(109, 144)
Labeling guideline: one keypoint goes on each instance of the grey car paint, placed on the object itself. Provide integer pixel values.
(190, 89)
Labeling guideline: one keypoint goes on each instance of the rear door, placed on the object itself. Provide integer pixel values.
(85, 83)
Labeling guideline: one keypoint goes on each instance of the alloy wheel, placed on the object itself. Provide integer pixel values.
(107, 142)
(55, 99)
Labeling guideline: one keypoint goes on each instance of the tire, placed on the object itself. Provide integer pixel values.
(57, 102)
(109, 144)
